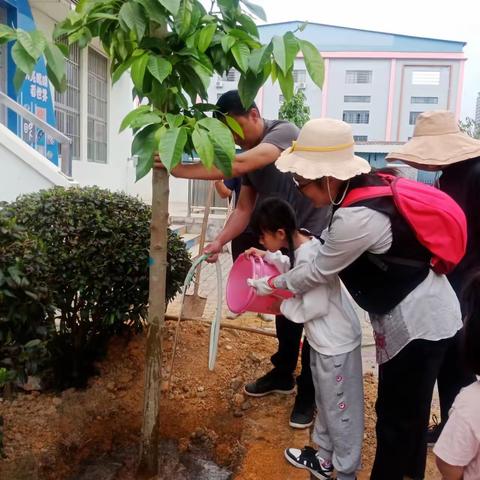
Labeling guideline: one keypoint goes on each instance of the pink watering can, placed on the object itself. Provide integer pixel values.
(243, 298)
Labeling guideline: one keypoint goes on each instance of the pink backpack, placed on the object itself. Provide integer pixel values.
(437, 220)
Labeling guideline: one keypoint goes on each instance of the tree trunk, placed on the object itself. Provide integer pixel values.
(149, 448)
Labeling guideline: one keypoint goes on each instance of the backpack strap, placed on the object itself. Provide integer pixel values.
(365, 193)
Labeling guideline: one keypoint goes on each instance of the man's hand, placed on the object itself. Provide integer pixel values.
(261, 286)
(214, 249)
(157, 163)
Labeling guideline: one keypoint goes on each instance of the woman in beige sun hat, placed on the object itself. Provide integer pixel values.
(413, 310)
(438, 144)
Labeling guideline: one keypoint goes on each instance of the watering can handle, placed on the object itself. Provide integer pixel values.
(254, 259)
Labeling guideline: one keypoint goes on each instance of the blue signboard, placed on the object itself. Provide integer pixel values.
(36, 94)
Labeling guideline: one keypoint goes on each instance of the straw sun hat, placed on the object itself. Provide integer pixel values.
(437, 140)
(324, 148)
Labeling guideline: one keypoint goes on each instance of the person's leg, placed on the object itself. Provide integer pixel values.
(405, 388)
(453, 376)
(341, 396)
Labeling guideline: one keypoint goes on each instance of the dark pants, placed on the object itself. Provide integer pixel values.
(453, 376)
(289, 335)
(405, 389)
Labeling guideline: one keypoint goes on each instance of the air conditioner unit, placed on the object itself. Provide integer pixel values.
(219, 84)
(301, 85)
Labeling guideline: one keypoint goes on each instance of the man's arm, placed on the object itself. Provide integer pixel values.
(237, 222)
(222, 190)
(245, 162)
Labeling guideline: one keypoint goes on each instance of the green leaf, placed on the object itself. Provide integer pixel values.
(144, 146)
(33, 343)
(144, 165)
(248, 87)
(228, 42)
(286, 83)
(223, 143)
(159, 68)
(203, 73)
(133, 115)
(291, 48)
(174, 121)
(183, 18)
(154, 10)
(22, 58)
(313, 62)
(205, 36)
(145, 119)
(18, 79)
(6, 33)
(171, 5)
(33, 42)
(234, 126)
(171, 147)
(280, 53)
(241, 52)
(56, 66)
(134, 17)
(122, 68)
(204, 146)
(259, 58)
(255, 9)
(138, 69)
(249, 25)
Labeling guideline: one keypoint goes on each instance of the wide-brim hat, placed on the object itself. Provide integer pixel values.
(324, 148)
(437, 140)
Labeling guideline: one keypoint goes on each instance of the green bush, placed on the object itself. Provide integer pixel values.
(96, 243)
(26, 313)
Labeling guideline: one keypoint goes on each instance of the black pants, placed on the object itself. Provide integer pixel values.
(289, 335)
(453, 376)
(405, 389)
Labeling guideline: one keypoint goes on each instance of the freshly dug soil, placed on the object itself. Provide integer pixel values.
(205, 414)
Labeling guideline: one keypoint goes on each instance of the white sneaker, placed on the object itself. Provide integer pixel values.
(232, 316)
(267, 317)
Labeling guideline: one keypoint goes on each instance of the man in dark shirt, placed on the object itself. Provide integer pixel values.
(263, 142)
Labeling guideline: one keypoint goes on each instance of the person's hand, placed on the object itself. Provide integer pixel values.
(254, 252)
(261, 286)
(214, 249)
(157, 163)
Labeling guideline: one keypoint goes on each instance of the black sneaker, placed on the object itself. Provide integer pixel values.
(308, 459)
(303, 414)
(434, 431)
(269, 383)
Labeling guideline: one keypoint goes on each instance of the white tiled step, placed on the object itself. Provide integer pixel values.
(190, 240)
(179, 229)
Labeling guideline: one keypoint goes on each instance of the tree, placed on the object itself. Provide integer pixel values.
(470, 127)
(295, 110)
(172, 48)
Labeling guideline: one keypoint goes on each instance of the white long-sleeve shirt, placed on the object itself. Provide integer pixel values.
(330, 322)
(430, 312)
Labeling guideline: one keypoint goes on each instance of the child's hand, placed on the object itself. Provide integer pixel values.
(254, 252)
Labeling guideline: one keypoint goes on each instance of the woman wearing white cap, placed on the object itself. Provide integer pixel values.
(439, 145)
(413, 310)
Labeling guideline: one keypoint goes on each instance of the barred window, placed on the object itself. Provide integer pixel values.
(360, 138)
(97, 107)
(426, 78)
(67, 104)
(356, 116)
(299, 76)
(358, 76)
(413, 117)
(230, 75)
(430, 100)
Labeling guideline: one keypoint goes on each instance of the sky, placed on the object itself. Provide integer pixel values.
(459, 20)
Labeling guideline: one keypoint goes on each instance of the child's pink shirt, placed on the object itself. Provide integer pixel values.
(459, 443)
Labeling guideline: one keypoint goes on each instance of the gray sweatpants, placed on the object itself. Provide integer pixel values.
(338, 430)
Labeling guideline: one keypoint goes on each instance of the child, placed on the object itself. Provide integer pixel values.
(458, 447)
(333, 331)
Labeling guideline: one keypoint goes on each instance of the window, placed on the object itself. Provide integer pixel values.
(358, 76)
(67, 104)
(430, 100)
(299, 76)
(356, 116)
(360, 138)
(413, 117)
(230, 76)
(281, 98)
(426, 78)
(97, 107)
(357, 99)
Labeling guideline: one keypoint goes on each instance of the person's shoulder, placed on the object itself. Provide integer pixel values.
(283, 126)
